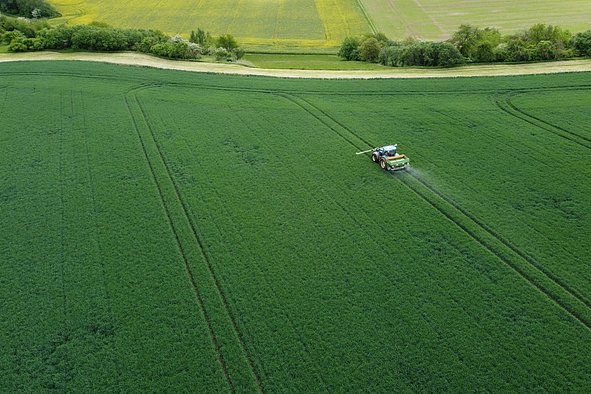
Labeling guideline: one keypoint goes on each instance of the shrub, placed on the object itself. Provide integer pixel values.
(421, 54)
(226, 41)
(546, 50)
(350, 49)
(201, 37)
(516, 51)
(484, 53)
(57, 38)
(146, 44)
(194, 50)
(465, 39)
(239, 53)
(554, 34)
(476, 44)
(10, 36)
(29, 8)
(581, 43)
(171, 49)
(18, 45)
(24, 44)
(99, 39)
(21, 24)
(369, 50)
(447, 55)
(392, 56)
(222, 54)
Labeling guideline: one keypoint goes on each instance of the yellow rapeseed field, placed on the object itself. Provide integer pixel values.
(312, 24)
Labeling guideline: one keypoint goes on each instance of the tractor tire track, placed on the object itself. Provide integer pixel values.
(582, 317)
(320, 92)
(194, 285)
(289, 95)
(199, 241)
(481, 224)
(509, 108)
(372, 26)
(500, 255)
(513, 106)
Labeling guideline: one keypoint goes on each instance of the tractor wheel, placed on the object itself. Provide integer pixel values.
(375, 158)
(383, 164)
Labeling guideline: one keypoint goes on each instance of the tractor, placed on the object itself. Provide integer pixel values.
(388, 158)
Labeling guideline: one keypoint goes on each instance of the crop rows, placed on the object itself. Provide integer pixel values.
(86, 306)
(220, 234)
(536, 274)
(251, 159)
(497, 162)
(436, 20)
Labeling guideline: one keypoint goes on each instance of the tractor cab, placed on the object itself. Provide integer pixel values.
(389, 151)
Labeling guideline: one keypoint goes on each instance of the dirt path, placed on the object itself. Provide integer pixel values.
(136, 59)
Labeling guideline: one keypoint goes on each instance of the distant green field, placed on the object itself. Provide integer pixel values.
(179, 232)
(438, 19)
(278, 25)
(308, 62)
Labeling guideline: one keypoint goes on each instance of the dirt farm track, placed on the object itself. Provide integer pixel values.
(127, 58)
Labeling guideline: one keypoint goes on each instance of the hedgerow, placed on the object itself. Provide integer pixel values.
(470, 44)
(23, 35)
(29, 8)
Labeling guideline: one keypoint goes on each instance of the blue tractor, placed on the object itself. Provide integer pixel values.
(388, 157)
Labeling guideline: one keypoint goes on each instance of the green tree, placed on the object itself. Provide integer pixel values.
(484, 52)
(227, 41)
(349, 49)
(581, 42)
(447, 55)
(466, 39)
(369, 50)
(546, 50)
(201, 37)
(516, 49)
(382, 39)
(554, 34)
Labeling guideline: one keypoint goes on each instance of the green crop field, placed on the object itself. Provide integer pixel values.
(169, 231)
(307, 62)
(438, 19)
(276, 25)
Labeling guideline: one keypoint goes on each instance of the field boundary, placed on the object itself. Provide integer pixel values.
(530, 270)
(136, 59)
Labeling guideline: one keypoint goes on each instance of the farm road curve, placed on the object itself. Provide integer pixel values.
(136, 59)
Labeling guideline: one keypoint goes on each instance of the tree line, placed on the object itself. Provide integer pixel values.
(29, 8)
(23, 35)
(470, 44)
